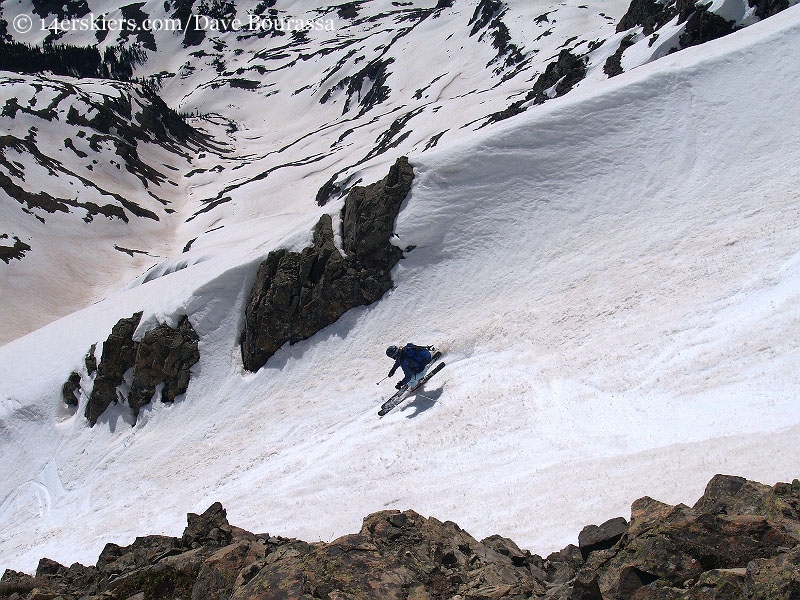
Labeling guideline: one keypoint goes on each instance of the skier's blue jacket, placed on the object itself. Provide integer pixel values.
(412, 360)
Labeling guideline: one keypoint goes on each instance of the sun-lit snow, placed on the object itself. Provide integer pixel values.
(614, 279)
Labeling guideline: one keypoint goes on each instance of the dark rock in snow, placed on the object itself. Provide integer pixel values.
(296, 294)
(13, 252)
(327, 191)
(68, 390)
(613, 64)
(559, 77)
(90, 361)
(164, 356)
(703, 26)
(768, 8)
(649, 14)
(119, 354)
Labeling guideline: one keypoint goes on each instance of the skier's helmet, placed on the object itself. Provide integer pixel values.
(392, 351)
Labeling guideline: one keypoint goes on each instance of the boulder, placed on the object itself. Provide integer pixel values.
(593, 538)
(172, 576)
(115, 560)
(720, 584)
(776, 578)
(209, 529)
(70, 389)
(586, 587)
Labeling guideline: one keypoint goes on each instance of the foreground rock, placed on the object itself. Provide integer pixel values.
(296, 294)
(741, 540)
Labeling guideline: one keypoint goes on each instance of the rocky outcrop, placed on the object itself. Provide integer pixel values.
(767, 8)
(593, 538)
(296, 294)
(740, 541)
(613, 64)
(559, 77)
(701, 25)
(14, 252)
(163, 359)
(70, 389)
(398, 555)
(649, 14)
(119, 354)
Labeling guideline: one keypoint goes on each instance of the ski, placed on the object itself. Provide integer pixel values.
(403, 392)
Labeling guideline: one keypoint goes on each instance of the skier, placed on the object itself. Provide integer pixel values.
(413, 359)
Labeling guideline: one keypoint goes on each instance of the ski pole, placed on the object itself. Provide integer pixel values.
(382, 380)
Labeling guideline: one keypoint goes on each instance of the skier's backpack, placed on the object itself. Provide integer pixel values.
(417, 354)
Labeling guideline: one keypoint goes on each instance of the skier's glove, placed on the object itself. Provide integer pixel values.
(392, 371)
(398, 385)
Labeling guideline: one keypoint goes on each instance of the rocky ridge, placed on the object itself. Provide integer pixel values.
(740, 540)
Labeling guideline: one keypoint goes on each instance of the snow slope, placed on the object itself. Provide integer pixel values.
(614, 278)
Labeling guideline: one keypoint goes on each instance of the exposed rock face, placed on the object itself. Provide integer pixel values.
(740, 541)
(559, 77)
(767, 8)
(119, 354)
(701, 26)
(209, 529)
(668, 549)
(70, 387)
(163, 357)
(613, 64)
(296, 294)
(14, 252)
(397, 556)
(649, 14)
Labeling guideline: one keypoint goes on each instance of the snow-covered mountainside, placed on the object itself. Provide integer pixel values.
(604, 245)
(296, 95)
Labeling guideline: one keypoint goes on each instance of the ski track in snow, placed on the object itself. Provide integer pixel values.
(614, 279)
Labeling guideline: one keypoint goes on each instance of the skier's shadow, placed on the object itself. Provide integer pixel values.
(423, 400)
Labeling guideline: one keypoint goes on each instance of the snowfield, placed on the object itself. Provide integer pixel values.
(614, 279)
